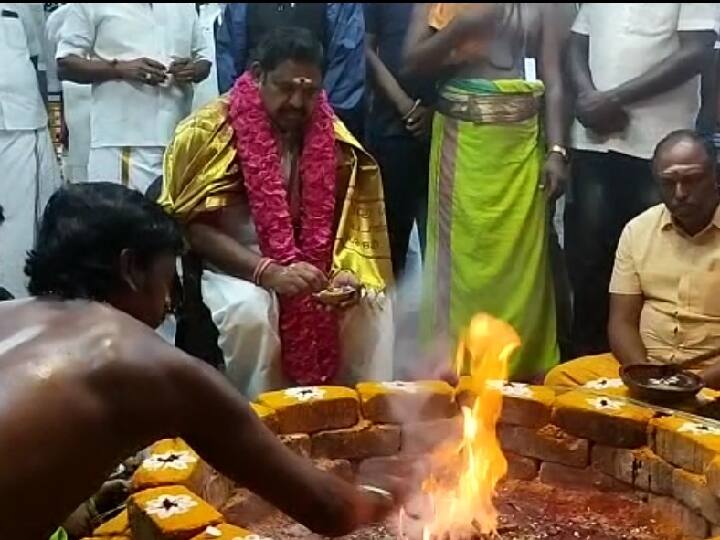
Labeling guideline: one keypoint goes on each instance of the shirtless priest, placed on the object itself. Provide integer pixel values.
(85, 382)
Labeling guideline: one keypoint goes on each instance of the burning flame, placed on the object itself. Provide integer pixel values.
(457, 497)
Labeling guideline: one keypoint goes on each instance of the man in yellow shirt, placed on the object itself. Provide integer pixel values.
(665, 287)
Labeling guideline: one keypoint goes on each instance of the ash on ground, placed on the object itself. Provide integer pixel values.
(530, 511)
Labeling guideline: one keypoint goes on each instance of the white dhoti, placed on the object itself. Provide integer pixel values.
(29, 174)
(247, 319)
(77, 116)
(133, 166)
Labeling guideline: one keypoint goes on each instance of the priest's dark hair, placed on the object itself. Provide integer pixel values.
(84, 229)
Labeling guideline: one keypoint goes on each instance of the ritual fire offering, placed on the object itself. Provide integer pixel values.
(487, 459)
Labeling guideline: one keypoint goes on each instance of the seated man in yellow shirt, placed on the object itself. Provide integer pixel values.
(665, 287)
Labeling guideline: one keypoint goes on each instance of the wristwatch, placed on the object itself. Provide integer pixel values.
(558, 149)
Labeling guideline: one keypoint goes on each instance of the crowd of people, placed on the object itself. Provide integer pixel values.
(256, 172)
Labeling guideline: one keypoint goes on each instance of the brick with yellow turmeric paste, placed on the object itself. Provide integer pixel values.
(266, 415)
(403, 402)
(117, 526)
(169, 513)
(171, 462)
(691, 444)
(607, 420)
(312, 408)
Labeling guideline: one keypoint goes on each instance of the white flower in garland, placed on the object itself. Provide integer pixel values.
(178, 460)
(305, 393)
(401, 385)
(167, 506)
(604, 383)
(697, 428)
(510, 389)
(519, 390)
(605, 404)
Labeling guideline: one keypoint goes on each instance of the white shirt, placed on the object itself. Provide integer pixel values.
(625, 41)
(128, 113)
(207, 90)
(21, 105)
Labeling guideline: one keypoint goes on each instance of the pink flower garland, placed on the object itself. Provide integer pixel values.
(309, 334)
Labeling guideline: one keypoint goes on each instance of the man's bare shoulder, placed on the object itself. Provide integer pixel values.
(73, 337)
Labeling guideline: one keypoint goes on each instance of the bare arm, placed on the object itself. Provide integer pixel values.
(383, 80)
(554, 34)
(85, 71)
(211, 237)
(199, 405)
(624, 329)
(578, 62)
(142, 70)
(687, 62)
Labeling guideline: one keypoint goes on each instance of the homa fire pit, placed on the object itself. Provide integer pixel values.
(500, 460)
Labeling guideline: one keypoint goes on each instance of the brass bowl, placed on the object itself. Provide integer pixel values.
(335, 297)
(661, 384)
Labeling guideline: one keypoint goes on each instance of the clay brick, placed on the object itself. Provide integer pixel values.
(546, 444)
(266, 415)
(520, 467)
(616, 462)
(358, 442)
(148, 524)
(244, 508)
(641, 468)
(404, 402)
(562, 475)
(606, 420)
(117, 526)
(298, 443)
(684, 443)
(691, 489)
(216, 489)
(421, 437)
(171, 462)
(223, 532)
(411, 467)
(693, 525)
(339, 467)
(311, 409)
(523, 405)
(712, 474)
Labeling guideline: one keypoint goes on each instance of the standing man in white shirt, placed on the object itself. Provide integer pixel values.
(29, 171)
(635, 69)
(142, 60)
(76, 99)
(210, 17)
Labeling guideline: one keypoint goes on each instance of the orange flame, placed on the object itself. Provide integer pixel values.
(458, 493)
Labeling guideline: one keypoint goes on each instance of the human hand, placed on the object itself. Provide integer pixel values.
(383, 486)
(601, 112)
(183, 70)
(555, 176)
(295, 279)
(418, 123)
(144, 70)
